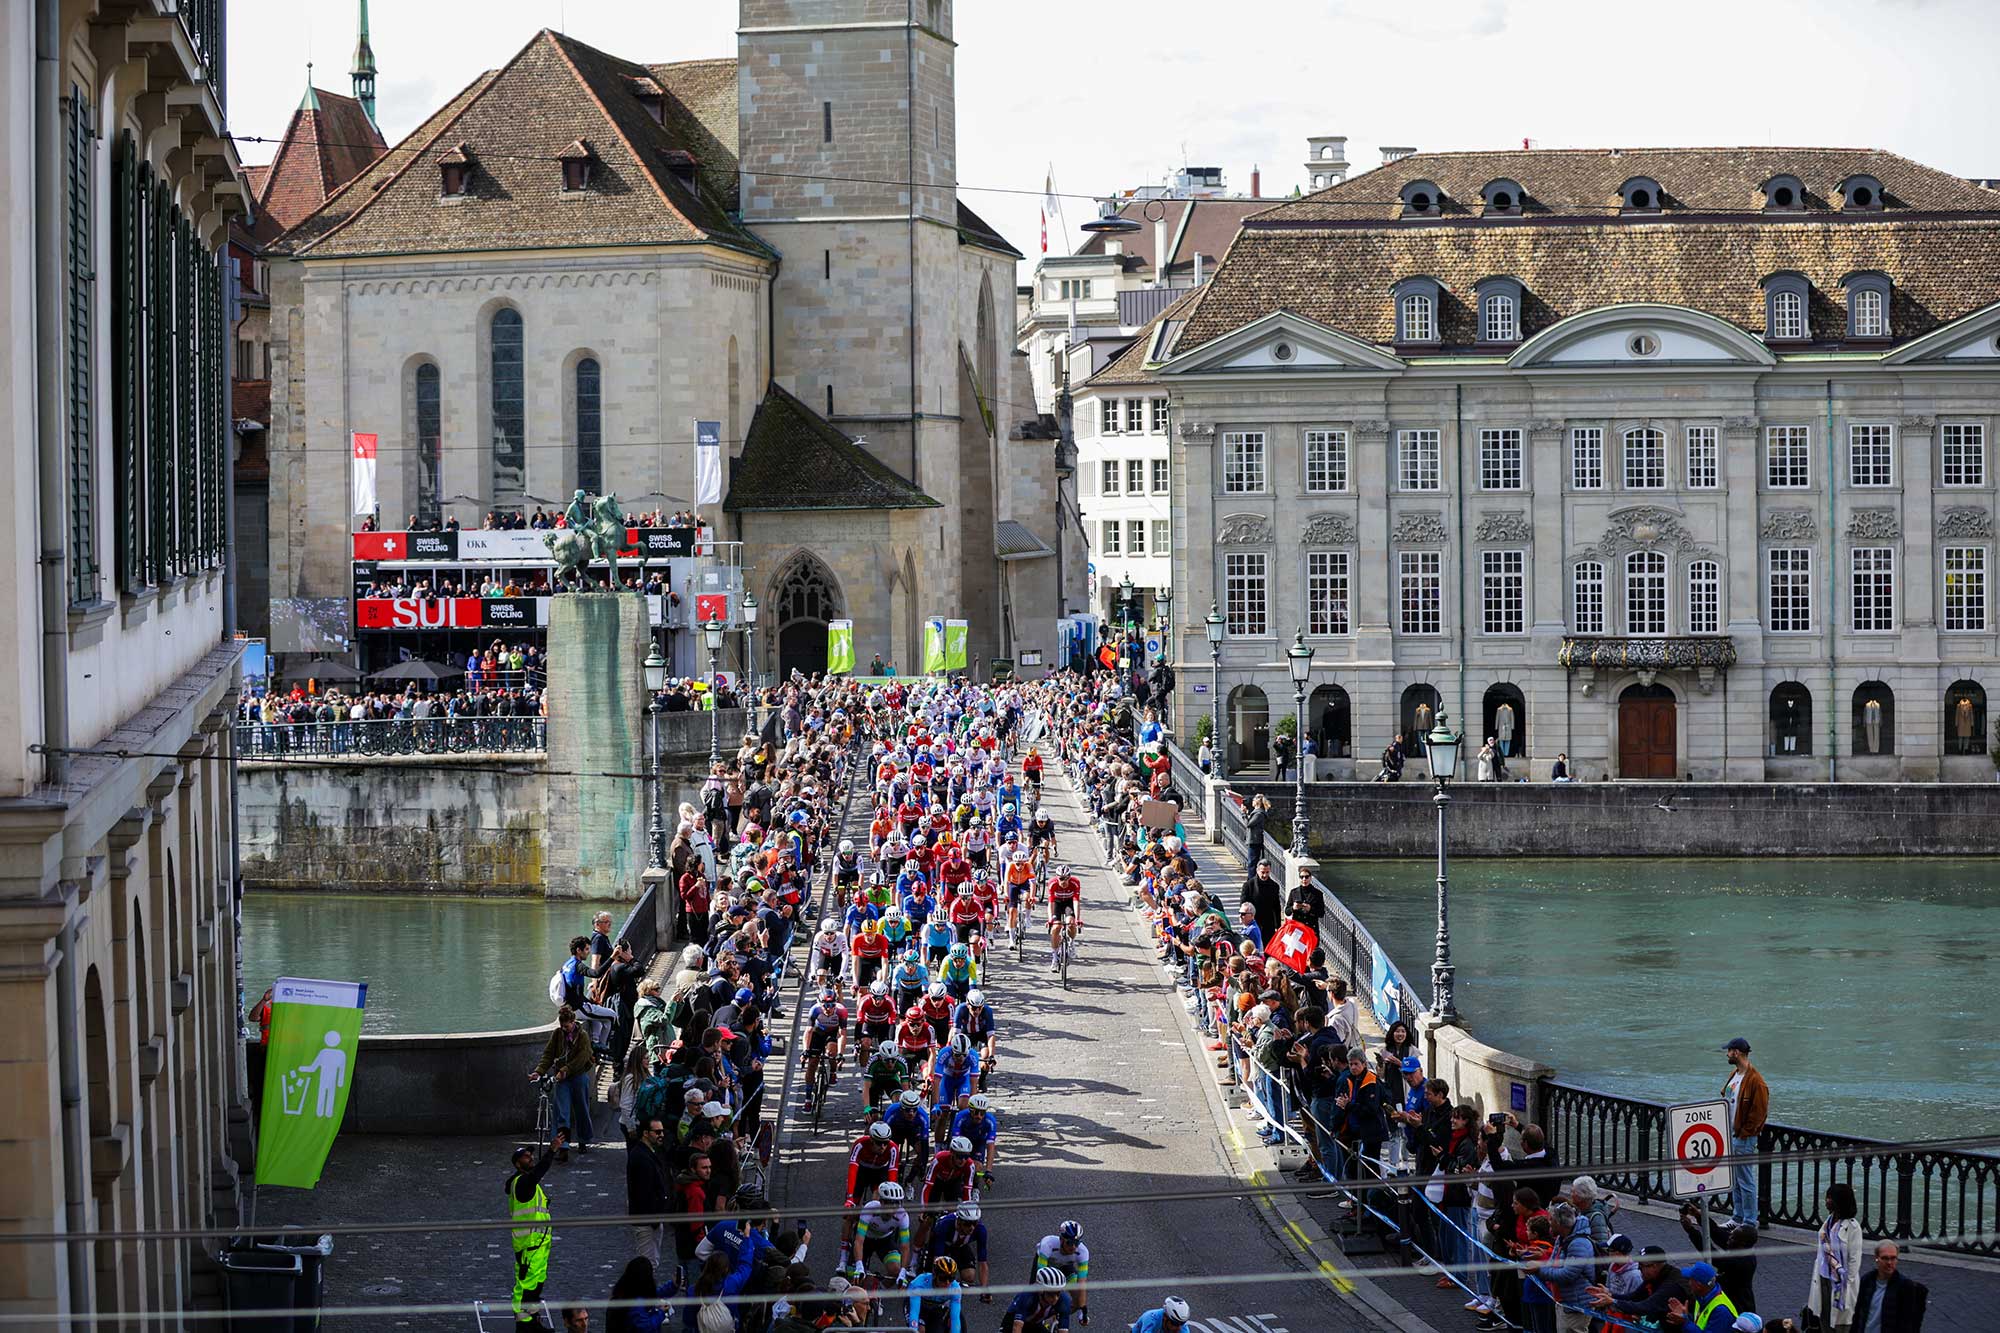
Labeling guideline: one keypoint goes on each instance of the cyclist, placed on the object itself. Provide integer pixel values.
(871, 952)
(1031, 770)
(847, 867)
(1020, 882)
(1171, 1317)
(915, 1037)
(1008, 826)
(826, 1025)
(958, 973)
(965, 914)
(962, 1235)
(1041, 837)
(975, 1018)
(1043, 1310)
(858, 914)
(829, 946)
(977, 1125)
(910, 979)
(895, 928)
(874, 1022)
(936, 1009)
(932, 1313)
(1066, 1253)
(938, 935)
(977, 838)
(954, 1069)
(882, 1226)
(888, 1074)
(954, 871)
(1065, 896)
(910, 1126)
(872, 1160)
(949, 1182)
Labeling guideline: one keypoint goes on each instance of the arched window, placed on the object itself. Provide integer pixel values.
(1249, 728)
(1645, 593)
(1419, 320)
(1504, 717)
(1587, 598)
(509, 409)
(806, 598)
(589, 427)
(1791, 720)
(1704, 597)
(1874, 718)
(1420, 709)
(429, 444)
(1869, 317)
(1499, 319)
(1645, 459)
(1330, 721)
(1965, 718)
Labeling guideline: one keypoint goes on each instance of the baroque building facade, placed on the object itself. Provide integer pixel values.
(1677, 463)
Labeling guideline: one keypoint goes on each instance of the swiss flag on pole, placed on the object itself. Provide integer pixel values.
(1293, 945)
(711, 606)
(364, 473)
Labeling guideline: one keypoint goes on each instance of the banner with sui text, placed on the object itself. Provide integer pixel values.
(308, 1073)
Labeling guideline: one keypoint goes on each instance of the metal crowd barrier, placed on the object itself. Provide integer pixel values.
(391, 736)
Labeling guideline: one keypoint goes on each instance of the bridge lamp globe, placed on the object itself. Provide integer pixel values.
(656, 670)
(1443, 745)
(749, 608)
(711, 632)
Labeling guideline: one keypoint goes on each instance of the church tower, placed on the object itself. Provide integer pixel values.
(363, 73)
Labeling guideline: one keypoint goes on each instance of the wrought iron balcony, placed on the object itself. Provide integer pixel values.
(1704, 654)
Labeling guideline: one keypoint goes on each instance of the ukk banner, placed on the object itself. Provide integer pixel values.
(840, 648)
(308, 1072)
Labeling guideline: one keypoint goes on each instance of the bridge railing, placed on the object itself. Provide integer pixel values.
(391, 736)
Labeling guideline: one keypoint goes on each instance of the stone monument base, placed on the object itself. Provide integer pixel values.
(596, 840)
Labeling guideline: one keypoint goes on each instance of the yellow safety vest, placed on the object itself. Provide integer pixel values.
(1703, 1309)
(534, 1213)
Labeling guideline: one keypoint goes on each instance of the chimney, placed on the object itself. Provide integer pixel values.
(1326, 161)
(1256, 182)
(1160, 249)
(1197, 268)
(1394, 154)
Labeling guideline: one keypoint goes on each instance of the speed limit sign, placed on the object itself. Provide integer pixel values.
(1698, 1134)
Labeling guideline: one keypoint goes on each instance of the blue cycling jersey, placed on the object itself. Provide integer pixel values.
(1027, 1308)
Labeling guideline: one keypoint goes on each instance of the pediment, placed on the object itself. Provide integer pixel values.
(1973, 338)
(1283, 343)
(1637, 336)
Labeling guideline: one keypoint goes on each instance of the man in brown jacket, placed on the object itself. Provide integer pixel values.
(570, 1057)
(1749, 1099)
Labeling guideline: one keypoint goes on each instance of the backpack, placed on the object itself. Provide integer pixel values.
(656, 1095)
(558, 988)
(713, 802)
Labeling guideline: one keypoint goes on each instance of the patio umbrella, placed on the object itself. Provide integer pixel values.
(328, 669)
(418, 669)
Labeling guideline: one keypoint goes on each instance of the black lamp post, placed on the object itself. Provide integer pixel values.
(750, 655)
(712, 632)
(1443, 745)
(1217, 628)
(1299, 657)
(656, 677)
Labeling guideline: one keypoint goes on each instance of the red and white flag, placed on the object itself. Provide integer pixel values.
(711, 606)
(364, 473)
(1048, 206)
(1293, 945)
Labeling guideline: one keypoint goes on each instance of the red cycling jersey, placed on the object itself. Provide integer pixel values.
(937, 1008)
(964, 909)
(1032, 764)
(913, 1035)
(876, 1009)
(950, 1178)
(871, 1154)
(871, 946)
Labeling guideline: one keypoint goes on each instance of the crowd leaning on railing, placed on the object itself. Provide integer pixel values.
(413, 586)
(333, 721)
(515, 520)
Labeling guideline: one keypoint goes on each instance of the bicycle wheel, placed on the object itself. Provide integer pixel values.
(1062, 959)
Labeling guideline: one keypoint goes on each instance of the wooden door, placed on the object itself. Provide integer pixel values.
(1647, 733)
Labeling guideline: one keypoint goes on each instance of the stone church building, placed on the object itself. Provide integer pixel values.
(579, 256)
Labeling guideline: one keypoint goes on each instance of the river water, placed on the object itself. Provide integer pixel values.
(1868, 989)
(432, 964)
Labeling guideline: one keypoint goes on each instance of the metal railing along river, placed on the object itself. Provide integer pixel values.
(390, 736)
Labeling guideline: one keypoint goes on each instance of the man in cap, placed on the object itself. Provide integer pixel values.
(528, 1206)
(1707, 1308)
(1749, 1099)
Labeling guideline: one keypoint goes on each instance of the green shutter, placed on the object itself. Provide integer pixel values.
(186, 386)
(127, 373)
(160, 378)
(81, 261)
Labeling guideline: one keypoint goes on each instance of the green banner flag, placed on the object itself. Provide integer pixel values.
(954, 645)
(933, 645)
(840, 648)
(308, 1072)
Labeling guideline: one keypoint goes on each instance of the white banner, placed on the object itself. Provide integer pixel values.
(708, 462)
(364, 473)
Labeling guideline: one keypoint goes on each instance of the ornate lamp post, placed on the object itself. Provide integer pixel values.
(1125, 590)
(1164, 595)
(1443, 745)
(1217, 627)
(712, 632)
(750, 653)
(1299, 657)
(656, 676)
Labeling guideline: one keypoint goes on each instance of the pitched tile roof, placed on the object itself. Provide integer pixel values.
(700, 113)
(975, 230)
(1014, 540)
(794, 458)
(1194, 226)
(1129, 366)
(514, 124)
(328, 142)
(1938, 240)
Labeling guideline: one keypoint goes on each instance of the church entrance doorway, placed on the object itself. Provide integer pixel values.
(806, 599)
(1648, 733)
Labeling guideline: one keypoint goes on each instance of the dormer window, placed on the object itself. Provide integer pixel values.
(1784, 194)
(1786, 296)
(1416, 311)
(1868, 305)
(579, 165)
(1503, 198)
(1860, 194)
(1641, 194)
(1422, 199)
(455, 172)
(1499, 310)
(681, 165)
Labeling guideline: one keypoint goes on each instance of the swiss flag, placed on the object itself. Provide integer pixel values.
(1293, 945)
(711, 606)
(381, 546)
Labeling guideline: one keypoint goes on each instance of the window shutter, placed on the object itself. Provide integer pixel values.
(82, 278)
(160, 379)
(127, 364)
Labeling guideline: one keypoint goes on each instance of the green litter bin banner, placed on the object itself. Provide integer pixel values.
(954, 645)
(933, 645)
(840, 648)
(308, 1072)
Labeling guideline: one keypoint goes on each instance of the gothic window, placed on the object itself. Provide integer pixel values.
(509, 404)
(589, 427)
(806, 593)
(430, 441)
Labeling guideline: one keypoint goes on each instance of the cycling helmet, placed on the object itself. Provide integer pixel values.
(828, 996)
(912, 956)
(968, 1212)
(889, 1192)
(975, 997)
(879, 988)
(910, 1096)
(960, 1042)
(846, 846)
(871, 927)
(959, 950)
(1051, 1277)
(1063, 869)
(937, 988)
(829, 925)
(916, 840)
(946, 1266)
(1175, 1309)
(893, 911)
(961, 1145)
(879, 1130)
(981, 1102)
(915, 1012)
(937, 807)
(1070, 1231)
(1020, 855)
(1007, 809)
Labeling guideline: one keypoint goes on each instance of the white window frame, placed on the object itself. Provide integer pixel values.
(1112, 540)
(1163, 533)
(1246, 593)
(1108, 416)
(1586, 597)
(1419, 319)
(1420, 460)
(1788, 316)
(1788, 458)
(1111, 473)
(1500, 459)
(1703, 457)
(1326, 462)
(1073, 289)
(1871, 589)
(1871, 313)
(1875, 438)
(1329, 584)
(1964, 589)
(1159, 412)
(1704, 597)
(1162, 475)
(1654, 443)
(1503, 592)
(1135, 476)
(1135, 416)
(1499, 318)
(1420, 592)
(1647, 605)
(1244, 454)
(1586, 458)
(1135, 538)
(1962, 453)
(1788, 605)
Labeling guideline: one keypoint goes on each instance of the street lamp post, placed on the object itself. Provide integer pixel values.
(750, 654)
(656, 676)
(1443, 746)
(1299, 657)
(1125, 589)
(1164, 595)
(1217, 627)
(712, 631)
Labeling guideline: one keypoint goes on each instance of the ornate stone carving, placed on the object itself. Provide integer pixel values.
(1371, 427)
(1545, 425)
(1505, 525)
(1642, 528)
(1963, 521)
(1422, 527)
(1874, 525)
(1244, 530)
(1789, 525)
(1741, 423)
(1919, 423)
(1329, 530)
(1195, 430)
(1615, 652)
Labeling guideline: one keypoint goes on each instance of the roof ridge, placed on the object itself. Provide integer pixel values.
(617, 130)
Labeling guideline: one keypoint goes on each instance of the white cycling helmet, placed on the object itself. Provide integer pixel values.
(960, 1042)
(829, 925)
(889, 1192)
(1051, 1277)
(975, 997)
(879, 1130)
(937, 988)
(916, 840)
(961, 1145)
(879, 988)
(981, 1102)
(911, 1097)
(1176, 1309)
(846, 845)
(968, 1212)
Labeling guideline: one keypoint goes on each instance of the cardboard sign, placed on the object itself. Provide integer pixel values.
(1161, 815)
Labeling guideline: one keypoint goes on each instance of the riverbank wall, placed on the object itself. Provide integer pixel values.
(1360, 819)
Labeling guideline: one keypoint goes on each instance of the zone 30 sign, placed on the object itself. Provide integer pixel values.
(1698, 1134)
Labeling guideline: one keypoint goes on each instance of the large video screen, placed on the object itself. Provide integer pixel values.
(311, 624)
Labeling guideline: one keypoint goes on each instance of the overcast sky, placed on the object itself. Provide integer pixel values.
(1113, 95)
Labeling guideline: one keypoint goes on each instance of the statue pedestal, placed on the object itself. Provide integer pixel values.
(596, 845)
